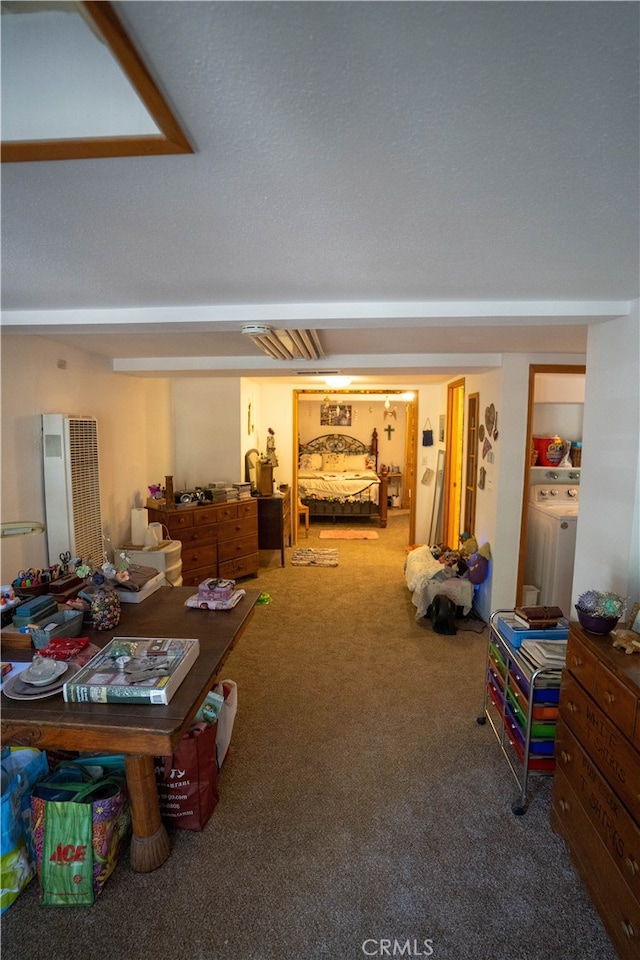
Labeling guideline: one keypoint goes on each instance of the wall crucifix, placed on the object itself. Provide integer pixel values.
(389, 430)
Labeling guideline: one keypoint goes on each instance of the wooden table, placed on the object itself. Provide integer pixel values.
(138, 731)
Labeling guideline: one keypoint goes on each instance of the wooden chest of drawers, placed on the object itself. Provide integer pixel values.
(218, 540)
(596, 791)
(274, 523)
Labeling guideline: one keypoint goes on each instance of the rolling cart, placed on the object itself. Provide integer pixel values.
(520, 702)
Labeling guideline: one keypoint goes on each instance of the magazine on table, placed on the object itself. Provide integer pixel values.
(133, 670)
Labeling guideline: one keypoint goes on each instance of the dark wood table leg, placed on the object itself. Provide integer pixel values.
(150, 844)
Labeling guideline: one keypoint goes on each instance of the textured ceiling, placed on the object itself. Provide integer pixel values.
(476, 160)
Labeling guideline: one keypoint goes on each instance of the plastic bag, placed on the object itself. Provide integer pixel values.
(22, 767)
(226, 717)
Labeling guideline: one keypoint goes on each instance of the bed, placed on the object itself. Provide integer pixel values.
(338, 477)
(426, 577)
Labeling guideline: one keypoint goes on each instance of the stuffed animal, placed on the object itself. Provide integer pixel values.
(442, 611)
(468, 544)
(479, 564)
(456, 562)
(438, 549)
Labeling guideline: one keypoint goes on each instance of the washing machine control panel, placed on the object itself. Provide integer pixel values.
(541, 493)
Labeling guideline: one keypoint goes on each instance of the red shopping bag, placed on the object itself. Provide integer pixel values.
(188, 781)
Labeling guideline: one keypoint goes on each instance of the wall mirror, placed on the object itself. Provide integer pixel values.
(435, 529)
(250, 471)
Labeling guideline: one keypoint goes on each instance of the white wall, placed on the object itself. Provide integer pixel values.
(207, 415)
(134, 439)
(608, 534)
(275, 410)
(366, 415)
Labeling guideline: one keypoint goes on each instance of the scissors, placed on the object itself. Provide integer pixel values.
(65, 559)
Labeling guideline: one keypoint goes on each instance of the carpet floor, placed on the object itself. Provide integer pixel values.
(363, 811)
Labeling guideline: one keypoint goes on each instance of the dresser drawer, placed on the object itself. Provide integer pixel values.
(610, 819)
(240, 567)
(205, 515)
(198, 536)
(247, 508)
(177, 520)
(232, 529)
(618, 702)
(611, 895)
(227, 511)
(613, 754)
(241, 547)
(199, 556)
(581, 662)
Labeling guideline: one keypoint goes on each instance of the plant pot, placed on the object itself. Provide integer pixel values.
(592, 623)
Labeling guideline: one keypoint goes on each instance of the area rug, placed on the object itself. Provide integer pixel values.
(310, 557)
(348, 535)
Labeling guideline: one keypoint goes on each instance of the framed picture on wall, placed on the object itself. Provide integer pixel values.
(335, 415)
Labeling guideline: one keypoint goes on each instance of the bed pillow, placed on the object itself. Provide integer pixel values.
(333, 462)
(310, 461)
(355, 462)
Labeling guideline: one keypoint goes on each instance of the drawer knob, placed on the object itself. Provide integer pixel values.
(577, 661)
(632, 866)
(564, 806)
(571, 707)
(566, 756)
(629, 929)
(609, 697)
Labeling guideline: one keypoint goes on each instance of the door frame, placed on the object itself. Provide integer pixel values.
(411, 444)
(454, 459)
(534, 369)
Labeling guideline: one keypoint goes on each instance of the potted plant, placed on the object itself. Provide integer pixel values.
(599, 611)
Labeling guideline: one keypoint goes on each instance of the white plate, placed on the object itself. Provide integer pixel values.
(44, 681)
(16, 690)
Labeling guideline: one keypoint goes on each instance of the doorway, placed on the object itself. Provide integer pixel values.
(409, 471)
(544, 381)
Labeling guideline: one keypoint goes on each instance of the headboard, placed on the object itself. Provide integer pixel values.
(341, 443)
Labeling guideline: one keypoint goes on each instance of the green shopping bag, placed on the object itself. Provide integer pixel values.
(79, 828)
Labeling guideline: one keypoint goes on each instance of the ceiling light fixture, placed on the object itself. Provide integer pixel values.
(387, 403)
(337, 382)
(284, 344)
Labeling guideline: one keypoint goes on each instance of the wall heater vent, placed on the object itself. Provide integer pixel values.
(72, 487)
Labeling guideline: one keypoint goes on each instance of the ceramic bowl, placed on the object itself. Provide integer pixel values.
(595, 624)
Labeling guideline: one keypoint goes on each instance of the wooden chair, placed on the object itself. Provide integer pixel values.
(303, 511)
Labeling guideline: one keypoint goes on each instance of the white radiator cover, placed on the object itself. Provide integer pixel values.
(72, 487)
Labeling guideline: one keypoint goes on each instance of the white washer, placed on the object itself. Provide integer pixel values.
(551, 542)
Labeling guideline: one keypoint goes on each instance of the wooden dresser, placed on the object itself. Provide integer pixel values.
(596, 791)
(274, 523)
(218, 540)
